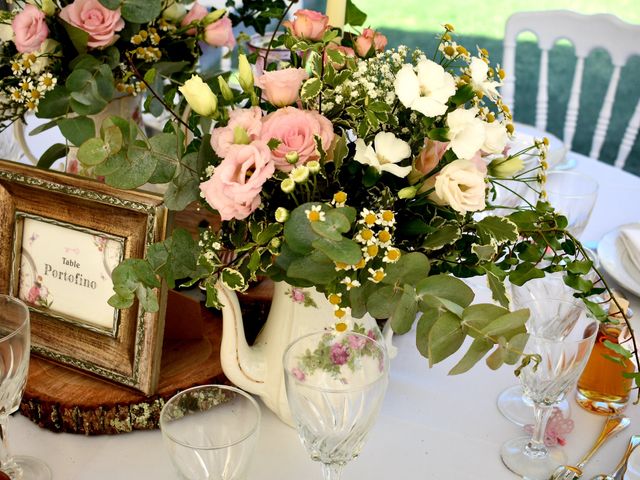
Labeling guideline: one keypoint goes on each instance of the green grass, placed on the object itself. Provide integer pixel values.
(417, 22)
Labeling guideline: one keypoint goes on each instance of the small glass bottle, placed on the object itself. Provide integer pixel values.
(602, 388)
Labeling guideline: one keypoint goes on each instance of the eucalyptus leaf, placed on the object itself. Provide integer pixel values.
(448, 287)
(445, 338)
(410, 268)
(425, 323)
(51, 154)
(77, 129)
(478, 349)
(404, 313)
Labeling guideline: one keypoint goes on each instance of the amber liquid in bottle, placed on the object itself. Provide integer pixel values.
(602, 388)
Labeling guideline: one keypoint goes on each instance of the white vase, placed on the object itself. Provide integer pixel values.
(258, 368)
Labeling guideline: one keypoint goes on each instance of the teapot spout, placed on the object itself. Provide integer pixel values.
(243, 365)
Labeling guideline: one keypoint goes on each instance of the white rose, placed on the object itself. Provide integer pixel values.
(466, 132)
(495, 137)
(462, 186)
(199, 96)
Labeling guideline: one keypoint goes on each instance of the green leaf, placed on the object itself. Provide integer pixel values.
(111, 4)
(485, 253)
(446, 287)
(184, 188)
(439, 134)
(317, 268)
(344, 250)
(578, 283)
(138, 167)
(445, 338)
(496, 359)
(165, 148)
(463, 95)
(495, 280)
(175, 258)
(501, 229)
(445, 235)
(141, 11)
(43, 128)
(507, 325)
(425, 323)
(524, 272)
(77, 129)
(93, 152)
(51, 154)
(476, 318)
(298, 232)
(619, 349)
(354, 16)
(410, 268)
(148, 299)
(310, 89)
(54, 104)
(478, 349)
(340, 150)
(79, 38)
(334, 225)
(383, 303)
(515, 347)
(232, 279)
(268, 233)
(405, 311)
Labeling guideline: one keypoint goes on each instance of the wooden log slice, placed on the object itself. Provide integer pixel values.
(65, 400)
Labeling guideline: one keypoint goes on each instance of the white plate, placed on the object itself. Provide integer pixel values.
(615, 260)
(633, 466)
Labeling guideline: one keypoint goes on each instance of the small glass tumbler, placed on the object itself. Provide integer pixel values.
(210, 432)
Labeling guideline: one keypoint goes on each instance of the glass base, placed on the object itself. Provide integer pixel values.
(609, 406)
(518, 409)
(515, 459)
(27, 468)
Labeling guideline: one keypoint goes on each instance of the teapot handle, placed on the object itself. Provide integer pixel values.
(18, 132)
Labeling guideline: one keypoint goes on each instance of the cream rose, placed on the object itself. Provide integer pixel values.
(460, 185)
(199, 96)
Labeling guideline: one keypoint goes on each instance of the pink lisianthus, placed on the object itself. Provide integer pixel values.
(346, 51)
(30, 29)
(296, 129)
(249, 119)
(197, 12)
(479, 162)
(282, 87)
(428, 159)
(94, 18)
(368, 39)
(308, 24)
(235, 186)
(220, 33)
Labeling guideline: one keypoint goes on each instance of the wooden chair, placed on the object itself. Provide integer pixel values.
(586, 32)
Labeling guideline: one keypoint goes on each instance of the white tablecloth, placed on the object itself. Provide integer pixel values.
(431, 426)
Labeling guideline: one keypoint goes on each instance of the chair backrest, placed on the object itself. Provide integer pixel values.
(586, 32)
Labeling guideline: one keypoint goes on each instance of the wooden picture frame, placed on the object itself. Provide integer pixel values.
(49, 221)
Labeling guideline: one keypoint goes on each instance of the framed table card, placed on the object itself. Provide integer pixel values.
(60, 240)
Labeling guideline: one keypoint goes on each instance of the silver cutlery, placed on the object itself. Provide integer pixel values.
(613, 425)
(618, 473)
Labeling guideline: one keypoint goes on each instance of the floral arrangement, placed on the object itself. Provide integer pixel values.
(67, 60)
(369, 174)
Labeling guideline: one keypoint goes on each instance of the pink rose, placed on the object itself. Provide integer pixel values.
(296, 130)
(282, 87)
(345, 51)
(234, 189)
(197, 13)
(249, 119)
(308, 24)
(94, 18)
(370, 39)
(30, 29)
(220, 34)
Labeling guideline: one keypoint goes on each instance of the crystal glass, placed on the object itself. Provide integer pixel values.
(562, 340)
(15, 344)
(210, 432)
(573, 194)
(335, 386)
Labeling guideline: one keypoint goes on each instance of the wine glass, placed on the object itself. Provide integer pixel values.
(15, 344)
(573, 194)
(210, 432)
(562, 352)
(335, 386)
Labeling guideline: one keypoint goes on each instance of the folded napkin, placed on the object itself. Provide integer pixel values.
(630, 236)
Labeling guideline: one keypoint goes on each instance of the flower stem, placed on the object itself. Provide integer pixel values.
(331, 471)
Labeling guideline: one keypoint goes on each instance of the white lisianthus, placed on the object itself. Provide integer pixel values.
(467, 132)
(495, 137)
(480, 80)
(460, 185)
(388, 152)
(199, 96)
(6, 32)
(427, 91)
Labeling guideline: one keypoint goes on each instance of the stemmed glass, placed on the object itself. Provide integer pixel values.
(335, 386)
(210, 432)
(562, 352)
(15, 344)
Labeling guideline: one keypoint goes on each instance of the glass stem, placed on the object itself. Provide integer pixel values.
(536, 447)
(331, 471)
(5, 455)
